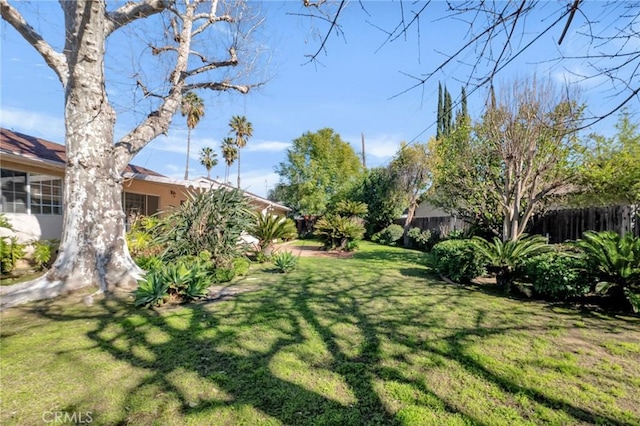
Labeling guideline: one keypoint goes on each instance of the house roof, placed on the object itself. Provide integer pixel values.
(41, 149)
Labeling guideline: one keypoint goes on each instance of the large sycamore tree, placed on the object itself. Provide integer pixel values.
(92, 248)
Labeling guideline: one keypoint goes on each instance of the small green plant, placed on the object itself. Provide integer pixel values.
(10, 252)
(43, 252)
(457, 260)
(148, 262)
(616, 262)
(223, 274)
(153, 289)
(504, 257)
(389, 235)
(4, 222)
(285, 261)
(241, 266)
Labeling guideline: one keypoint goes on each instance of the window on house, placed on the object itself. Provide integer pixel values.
(46, 194)
(33, 193)
(14, 191)
(140, 204)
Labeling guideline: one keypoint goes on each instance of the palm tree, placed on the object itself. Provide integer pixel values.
(243, 130)
(193, 108)
(230, 154)
(208, 158)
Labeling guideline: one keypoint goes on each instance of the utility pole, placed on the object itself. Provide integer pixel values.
(364, 157)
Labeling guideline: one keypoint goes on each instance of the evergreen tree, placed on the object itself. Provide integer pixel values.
(440, 113)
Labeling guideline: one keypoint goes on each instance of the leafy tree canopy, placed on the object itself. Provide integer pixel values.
(318, 166)
(609, 168)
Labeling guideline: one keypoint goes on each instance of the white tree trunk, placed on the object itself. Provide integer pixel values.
(92, 248)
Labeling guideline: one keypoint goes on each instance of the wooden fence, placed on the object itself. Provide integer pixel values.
(442, 225)
(558, 225)
(570, 224)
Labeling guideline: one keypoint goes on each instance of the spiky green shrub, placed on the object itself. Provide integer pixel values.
(183, 280)
(268, 228)
(616, 262)
(337, 231)
(210, 220)
(389, 235)
(153, 289)
(457, 260)
(285, 261)
(43, 253)
(503, 257)
(10, 252)
(351, 208)
(558, 276)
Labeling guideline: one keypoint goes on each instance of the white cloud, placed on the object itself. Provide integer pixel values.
(266, 146)
(378, 148)
(257, 181)
(33, 123)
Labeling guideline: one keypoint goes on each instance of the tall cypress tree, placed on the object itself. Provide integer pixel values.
(439, 119)
(465, 111)
(448, 115)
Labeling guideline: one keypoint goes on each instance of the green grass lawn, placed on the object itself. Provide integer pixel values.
(372, 339)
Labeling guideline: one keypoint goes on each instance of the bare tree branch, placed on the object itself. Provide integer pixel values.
(56, 60)
(231, 62)
(331, 28)
(132, 11)
(221, 86)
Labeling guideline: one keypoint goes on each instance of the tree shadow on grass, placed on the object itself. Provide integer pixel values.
(272, 352)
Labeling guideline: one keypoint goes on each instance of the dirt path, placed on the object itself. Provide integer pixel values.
(311, 249)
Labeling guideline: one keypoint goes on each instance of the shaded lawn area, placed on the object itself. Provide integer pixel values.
(367, 340)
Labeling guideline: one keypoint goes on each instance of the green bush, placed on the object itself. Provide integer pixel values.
(615, 261)
(223, 274)
(241, 266)
(10, 252)
(558, 276)
(337, 231)
(285, 261)
(389, 235)
(148, 262)
(458, 260)
(420, 239)
(43, 253)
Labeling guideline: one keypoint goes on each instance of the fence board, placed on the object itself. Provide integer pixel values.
(558, 225)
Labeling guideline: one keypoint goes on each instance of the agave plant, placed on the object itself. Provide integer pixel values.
(503, 257)
(269, 228)
(616, 262)
(285, 261)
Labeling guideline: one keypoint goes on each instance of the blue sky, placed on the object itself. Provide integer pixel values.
(351, 88)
